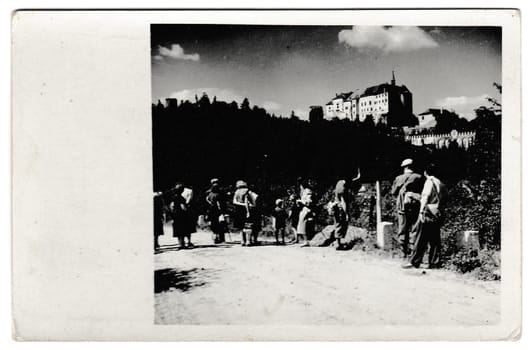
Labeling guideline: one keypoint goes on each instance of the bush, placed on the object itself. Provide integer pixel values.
(473, 206)
(483, 264)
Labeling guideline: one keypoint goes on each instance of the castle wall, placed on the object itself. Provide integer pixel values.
(464, 139)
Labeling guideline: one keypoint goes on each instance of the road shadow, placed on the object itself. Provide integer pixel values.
(176, 247)
(182, 280)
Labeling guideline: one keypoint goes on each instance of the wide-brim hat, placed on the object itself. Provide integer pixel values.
(406, 162)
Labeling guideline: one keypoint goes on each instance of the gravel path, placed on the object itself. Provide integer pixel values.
(268, 284)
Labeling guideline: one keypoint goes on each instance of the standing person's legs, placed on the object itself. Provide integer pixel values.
(188, 236)
(434, 255)
(243, 237)
(421, 243)
(192, 227)
(222, 231)
(256, 227)
(239, 217)
(177, 233)
(403, 233)
(302, 225)
(294, 230)
(340, 232)
(411, 221)
(158, 231)
(283, 235)
(413, 234)
(214, 229)
(156, 245)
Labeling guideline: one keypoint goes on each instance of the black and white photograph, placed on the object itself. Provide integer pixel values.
(326, 174)
(286, 175)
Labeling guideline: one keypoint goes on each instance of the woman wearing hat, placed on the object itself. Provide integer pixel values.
(245, 202)
(305, 227)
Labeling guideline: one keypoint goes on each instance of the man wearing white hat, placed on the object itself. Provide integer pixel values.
(407, 189)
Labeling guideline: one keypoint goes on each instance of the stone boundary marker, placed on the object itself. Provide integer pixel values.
(384, 228)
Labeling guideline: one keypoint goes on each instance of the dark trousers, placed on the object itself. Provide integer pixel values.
(428, 234)
(178, 232)
(256, 227)
(405, 222)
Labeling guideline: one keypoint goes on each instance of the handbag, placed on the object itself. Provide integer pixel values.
(409, 200)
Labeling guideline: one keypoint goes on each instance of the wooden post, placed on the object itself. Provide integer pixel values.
(378, 205)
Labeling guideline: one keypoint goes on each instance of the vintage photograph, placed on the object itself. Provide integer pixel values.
(326, 175)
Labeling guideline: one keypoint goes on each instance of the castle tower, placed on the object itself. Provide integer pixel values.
(393, 78)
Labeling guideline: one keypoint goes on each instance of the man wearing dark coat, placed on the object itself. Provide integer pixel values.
(407, 188)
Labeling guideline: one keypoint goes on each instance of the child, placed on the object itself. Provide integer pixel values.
(280, 220)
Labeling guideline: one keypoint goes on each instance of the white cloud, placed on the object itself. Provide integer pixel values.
(271, 105)
(463, 105)
(386, 40)
(176, 52)
(222, 94)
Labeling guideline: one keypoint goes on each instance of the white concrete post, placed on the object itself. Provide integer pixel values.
(468, 239)
(384, 228)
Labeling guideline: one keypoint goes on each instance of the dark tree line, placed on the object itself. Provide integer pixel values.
(193, 142)
(196, 141)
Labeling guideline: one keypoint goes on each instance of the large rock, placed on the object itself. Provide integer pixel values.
(353, 236)
(323, 238)
(327, 237)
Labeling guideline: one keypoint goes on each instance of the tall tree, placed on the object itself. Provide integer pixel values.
(245, 105)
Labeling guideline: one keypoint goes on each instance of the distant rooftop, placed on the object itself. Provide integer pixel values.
(436, 111)
(384, 87)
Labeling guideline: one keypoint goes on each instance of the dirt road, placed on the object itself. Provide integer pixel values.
(268, 284)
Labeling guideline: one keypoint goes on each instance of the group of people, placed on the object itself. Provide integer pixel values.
(247, 214)
(420, 213)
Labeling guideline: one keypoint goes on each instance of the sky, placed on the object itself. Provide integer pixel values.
(290, 68)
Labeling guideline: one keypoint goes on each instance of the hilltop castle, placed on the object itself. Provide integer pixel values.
(386, 103)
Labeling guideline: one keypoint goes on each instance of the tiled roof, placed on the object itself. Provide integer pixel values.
(384, 87)
(437, 111)
(370, 91)
(343, 95)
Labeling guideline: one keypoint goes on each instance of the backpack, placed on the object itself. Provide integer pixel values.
(410, 200)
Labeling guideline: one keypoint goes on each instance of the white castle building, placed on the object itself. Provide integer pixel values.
(386, 103)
